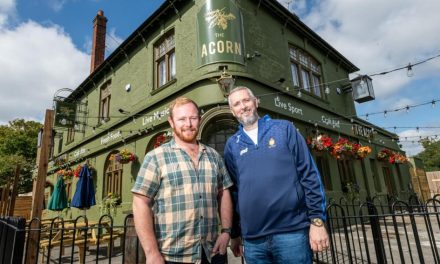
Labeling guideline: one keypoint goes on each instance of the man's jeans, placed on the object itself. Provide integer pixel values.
(284, 248)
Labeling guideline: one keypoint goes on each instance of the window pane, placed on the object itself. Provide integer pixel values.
(303, 59)
(306, 80)
(295, 77)
(316, 85)
(172, 62)
(293, 53)
(161, 70)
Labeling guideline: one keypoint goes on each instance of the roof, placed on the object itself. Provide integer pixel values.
(171, 7)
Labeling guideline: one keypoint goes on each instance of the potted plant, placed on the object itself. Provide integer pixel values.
(109, 203)
(386, 155)
(320, 143)
(343, 149)
(362, 152)
(123, 157)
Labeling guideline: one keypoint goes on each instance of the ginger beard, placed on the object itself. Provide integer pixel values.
(186, 134)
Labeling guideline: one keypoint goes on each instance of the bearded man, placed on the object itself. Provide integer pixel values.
(181, 188)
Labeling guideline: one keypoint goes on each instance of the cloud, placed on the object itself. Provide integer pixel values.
(56, 5)
(36, 61)
(411, 139)
(7, 9)
(379, 35)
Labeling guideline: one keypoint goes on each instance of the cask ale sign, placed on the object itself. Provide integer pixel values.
(220, 37)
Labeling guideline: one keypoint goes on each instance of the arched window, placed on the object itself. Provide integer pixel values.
(218, 130)
(112, 176)
(157, 140)
(306, 71)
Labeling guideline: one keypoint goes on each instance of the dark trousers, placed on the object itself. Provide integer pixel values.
(216, 259)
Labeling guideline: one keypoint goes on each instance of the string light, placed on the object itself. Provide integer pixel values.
(410, 72)
(327, 90)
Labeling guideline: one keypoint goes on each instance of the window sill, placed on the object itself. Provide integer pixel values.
(169, 83)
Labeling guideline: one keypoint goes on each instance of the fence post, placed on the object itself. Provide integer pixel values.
(377, 233)
(12, 239)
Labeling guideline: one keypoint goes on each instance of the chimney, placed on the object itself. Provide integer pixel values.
(98, 45)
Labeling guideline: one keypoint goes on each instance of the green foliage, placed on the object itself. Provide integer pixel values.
(18, 146)
(431, 155)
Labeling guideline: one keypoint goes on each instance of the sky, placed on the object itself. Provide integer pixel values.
(45, 46)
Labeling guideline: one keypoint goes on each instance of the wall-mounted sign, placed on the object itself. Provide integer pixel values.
(362, 131)
(220, 37)
(158, 115)
(64, 114)
(334, 123)
(111, 136)
(287, 106)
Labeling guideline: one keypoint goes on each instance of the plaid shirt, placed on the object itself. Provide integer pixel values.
(185, 199)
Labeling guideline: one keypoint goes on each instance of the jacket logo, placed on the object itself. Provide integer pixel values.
(243, 151)
(271, 143)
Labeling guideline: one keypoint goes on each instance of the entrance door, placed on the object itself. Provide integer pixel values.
(217, 131)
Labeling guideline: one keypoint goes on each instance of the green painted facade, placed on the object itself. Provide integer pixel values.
(268, 29)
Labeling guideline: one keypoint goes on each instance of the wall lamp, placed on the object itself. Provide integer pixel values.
(225, 82)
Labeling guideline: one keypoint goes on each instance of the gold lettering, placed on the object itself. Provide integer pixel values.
(204, 51)
(220, 46)
(211, 47)
(229, 47)
(237, 48)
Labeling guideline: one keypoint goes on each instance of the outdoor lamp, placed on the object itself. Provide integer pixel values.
(225, 82)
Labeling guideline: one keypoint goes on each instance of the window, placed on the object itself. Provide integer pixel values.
(217, 132)
(165, 59)
(306, 72)
(70, 135)
(346, 172)
(112, 177)
(104, 109)
(324, 170)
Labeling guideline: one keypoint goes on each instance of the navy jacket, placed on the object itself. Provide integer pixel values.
(277, 185)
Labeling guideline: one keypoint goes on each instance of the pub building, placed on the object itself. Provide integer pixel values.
(201, 49)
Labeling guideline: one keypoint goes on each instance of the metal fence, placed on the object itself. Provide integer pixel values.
(381, 230)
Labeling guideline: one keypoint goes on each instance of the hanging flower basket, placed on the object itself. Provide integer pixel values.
(320, 143)
(362, 152)
(386, 155)
(344, 149)
(123, 157)
(67, 174)
(77, 171)
(161, 139)
(400, 158)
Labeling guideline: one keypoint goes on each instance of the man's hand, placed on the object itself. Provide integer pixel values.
(237, 247)
(318, 238)
(221, 245)
(155, 258)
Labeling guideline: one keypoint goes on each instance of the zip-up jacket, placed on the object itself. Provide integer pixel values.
(277, 187)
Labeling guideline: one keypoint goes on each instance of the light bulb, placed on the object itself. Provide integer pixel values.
(410, 72)
(385, 113)
(366, 117)
(299, 94)
(433, 103)
(327, 90)
(407, 108)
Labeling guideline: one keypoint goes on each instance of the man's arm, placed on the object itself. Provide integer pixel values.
(143, 222)
(225, 209)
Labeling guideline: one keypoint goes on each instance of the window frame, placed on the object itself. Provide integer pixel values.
(104, 102)
(70, 135)
(305, 64)
(164, 52)
(112, 180)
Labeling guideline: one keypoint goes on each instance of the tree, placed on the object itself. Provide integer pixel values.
(431, 155)
(18, 146)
